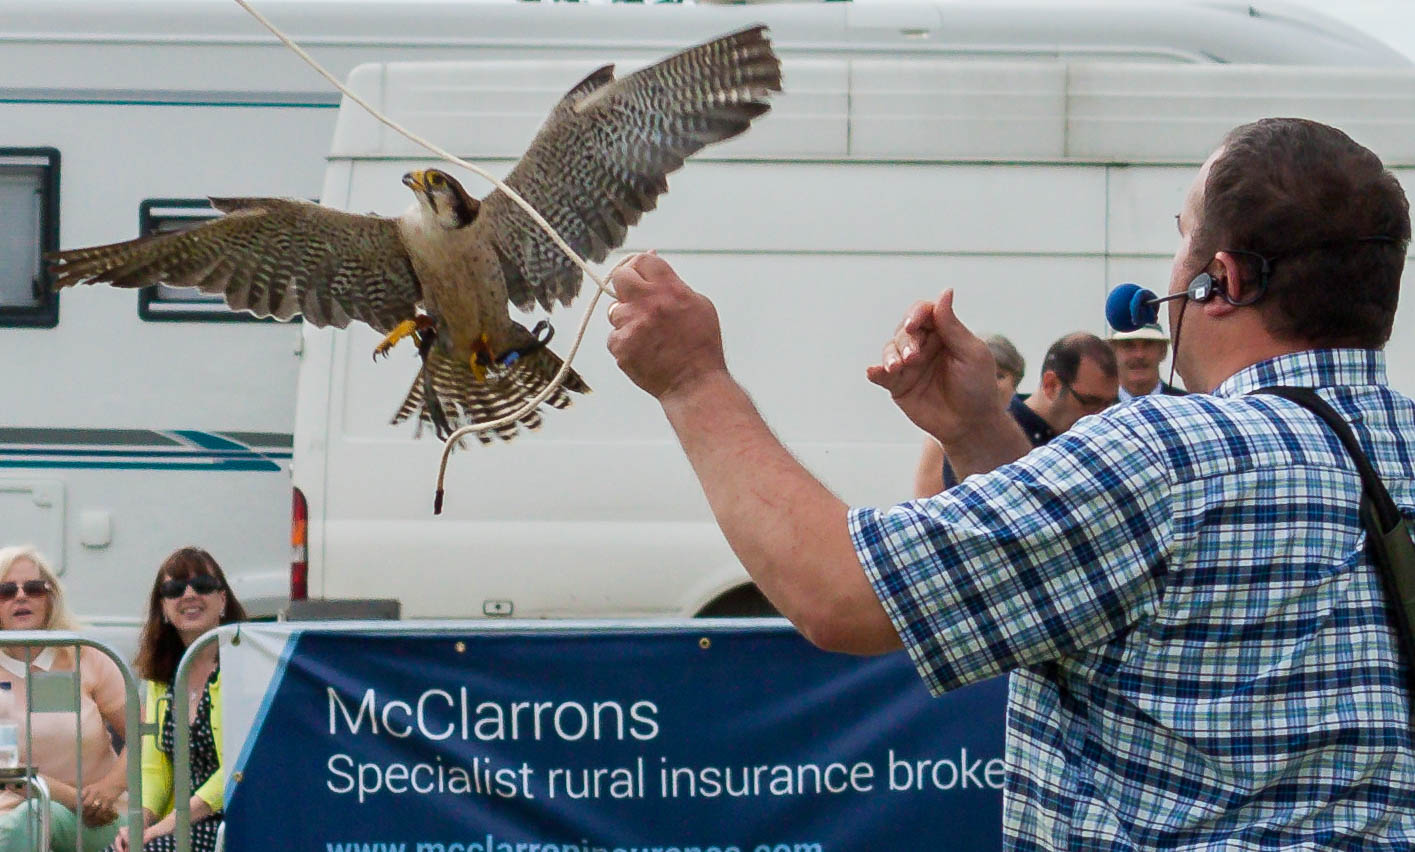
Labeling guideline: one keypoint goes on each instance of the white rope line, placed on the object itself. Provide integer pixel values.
(603, 288)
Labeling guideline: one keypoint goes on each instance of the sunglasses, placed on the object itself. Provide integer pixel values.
(1093, 403)
(202, 584)
(32, 589)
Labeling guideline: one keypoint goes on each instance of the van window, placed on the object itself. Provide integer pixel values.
(184, 304)
(29, 209)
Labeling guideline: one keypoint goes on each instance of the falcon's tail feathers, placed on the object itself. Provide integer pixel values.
(464, 400)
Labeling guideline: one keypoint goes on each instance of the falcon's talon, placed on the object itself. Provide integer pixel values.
(401, 330)
(482, 358)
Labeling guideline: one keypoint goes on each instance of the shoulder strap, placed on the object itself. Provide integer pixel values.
(1385, 507)
(1387, 537)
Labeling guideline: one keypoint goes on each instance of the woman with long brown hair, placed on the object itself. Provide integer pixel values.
(189, 597)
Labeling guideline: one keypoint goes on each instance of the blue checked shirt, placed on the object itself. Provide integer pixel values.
(1199, 649)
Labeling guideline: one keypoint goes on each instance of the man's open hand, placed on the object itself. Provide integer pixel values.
(939, 373)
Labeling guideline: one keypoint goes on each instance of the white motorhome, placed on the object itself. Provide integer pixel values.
(138, 422)
(1031, 184)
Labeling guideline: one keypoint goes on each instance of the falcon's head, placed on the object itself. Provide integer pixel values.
(442, 198)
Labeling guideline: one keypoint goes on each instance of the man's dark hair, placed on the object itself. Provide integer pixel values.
(1305, 196)
(1064, 356)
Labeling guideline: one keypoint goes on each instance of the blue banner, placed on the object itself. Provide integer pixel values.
(611, 740)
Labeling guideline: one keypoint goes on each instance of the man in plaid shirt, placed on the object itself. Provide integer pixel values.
(1199, 645)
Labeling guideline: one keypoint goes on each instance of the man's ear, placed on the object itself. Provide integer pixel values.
(1050, 385)
(1229, 283)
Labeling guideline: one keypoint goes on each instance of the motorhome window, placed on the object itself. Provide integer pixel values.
(29, 209)
(181, 304)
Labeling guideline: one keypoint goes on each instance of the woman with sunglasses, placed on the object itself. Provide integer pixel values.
(189, 597)
(32, 599)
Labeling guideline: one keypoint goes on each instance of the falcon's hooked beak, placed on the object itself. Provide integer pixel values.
(443, 196)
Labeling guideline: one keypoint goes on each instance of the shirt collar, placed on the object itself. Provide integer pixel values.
(42, 661)
(1038, 430)
(1311, 368)
(1126, 396)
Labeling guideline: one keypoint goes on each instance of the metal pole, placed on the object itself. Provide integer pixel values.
(35, 818)
(132, 711)
(45, 828)
(29, 744)
(79, 751)
(182, 741)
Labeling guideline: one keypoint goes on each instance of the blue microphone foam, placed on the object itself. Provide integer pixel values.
(1130, 306)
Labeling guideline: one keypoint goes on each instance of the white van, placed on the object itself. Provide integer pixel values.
(138, 422)
(1030, 186)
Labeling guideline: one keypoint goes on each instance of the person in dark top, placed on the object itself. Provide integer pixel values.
(1079, 377)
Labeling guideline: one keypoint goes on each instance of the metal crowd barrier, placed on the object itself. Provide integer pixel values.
(30, 777)
(182, 735)
(44, 692)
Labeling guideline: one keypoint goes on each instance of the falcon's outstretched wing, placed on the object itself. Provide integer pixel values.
(272, 257)
(603, 155)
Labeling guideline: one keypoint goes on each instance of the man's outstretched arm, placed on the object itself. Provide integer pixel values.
(790, 532)
(787, 528)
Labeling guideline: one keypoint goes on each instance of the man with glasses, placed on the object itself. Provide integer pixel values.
(1202, 656)
(1079, 377)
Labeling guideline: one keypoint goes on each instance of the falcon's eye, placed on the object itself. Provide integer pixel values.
(434, 179)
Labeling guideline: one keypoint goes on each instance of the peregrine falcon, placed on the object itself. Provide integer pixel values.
(444, 271)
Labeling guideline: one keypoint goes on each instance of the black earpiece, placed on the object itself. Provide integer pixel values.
(1203, 287)
(1264, 271)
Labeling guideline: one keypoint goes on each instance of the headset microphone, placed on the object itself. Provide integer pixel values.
(1130, 306)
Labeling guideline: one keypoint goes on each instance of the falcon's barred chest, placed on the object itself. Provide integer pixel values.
(444, 262)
